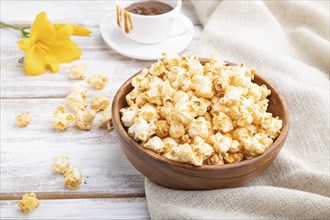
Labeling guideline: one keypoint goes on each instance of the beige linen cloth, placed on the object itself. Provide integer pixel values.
(288, 43)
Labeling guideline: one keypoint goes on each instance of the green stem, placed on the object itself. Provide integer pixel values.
(10, 26)
(21, 30)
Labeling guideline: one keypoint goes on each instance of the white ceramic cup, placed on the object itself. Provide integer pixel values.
(150, 29)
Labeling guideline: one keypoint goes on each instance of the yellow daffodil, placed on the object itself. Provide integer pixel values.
(49, 45)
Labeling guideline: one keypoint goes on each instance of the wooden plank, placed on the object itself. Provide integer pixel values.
(96, 55)
(120, 208)
(27, 153)
(78, 12)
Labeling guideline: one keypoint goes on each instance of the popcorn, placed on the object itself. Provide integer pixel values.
(183, 113)
(234, 158)
(167, 92)
(180, 97)
(84, 118)
(214, 159)
(23, 119)
(199, 127)
(153, 96)
(155, 144)
(99, 103)
(200, 114)
(184, 153)
(200, 105)
(222, 122)
(162, 128)
(76, 99)
(29, 202)
(98, 80)
(78, 71)
(61, 164)
(157, 69)
(221, 143)
(166, 110)
(141, 99)
(141, 130)
(128, 115)
(232, 95)
(201, 148)
(274, 129)
(62, 119)
(72, 178)
(202, 86)
(106, 120)
(176, 130)
(149, 113)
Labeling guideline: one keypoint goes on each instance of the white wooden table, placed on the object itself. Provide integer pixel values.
(111, 187)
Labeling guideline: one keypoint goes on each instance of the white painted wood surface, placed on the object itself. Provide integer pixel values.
(118, 208)
(111, 188)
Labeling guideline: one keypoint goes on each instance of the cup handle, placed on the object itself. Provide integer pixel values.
(179, 18)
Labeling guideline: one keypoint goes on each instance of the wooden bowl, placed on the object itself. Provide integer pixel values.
(178, 175)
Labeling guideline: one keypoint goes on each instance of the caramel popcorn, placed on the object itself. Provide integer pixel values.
(23, 119)
(99, 103)
(84, 118)
(62, 119)
(141, 130)
(155, 144)
(29, 202)
(72, 178)
(78, 71)
(98, 80)
(61, 164)
(106, 120)
(200, 114)
(76, 99)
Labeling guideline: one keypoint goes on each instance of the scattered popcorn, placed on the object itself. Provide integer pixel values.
(78, 71)
(72, 178)
(23, 119)
(84, 118)
(76, 99)
(61, 164)
(62, 119)
(200, 114)
(99, 103)
(106, 120)
(98, 80)
(29, 202)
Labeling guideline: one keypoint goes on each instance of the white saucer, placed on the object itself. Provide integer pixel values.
(116, 39)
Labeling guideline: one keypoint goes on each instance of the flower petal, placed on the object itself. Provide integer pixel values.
(64, 52)
(34, 62)
(77, 30)
(42, 28)
(25, 44)
(81, 31)
(63, 33)
(52, 64)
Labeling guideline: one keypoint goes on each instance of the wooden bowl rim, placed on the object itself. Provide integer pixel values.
(121, 131)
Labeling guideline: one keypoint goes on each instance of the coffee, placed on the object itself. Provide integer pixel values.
(149, 8)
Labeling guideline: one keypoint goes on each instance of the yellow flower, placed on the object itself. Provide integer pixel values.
(48, 46)
(77, 30)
